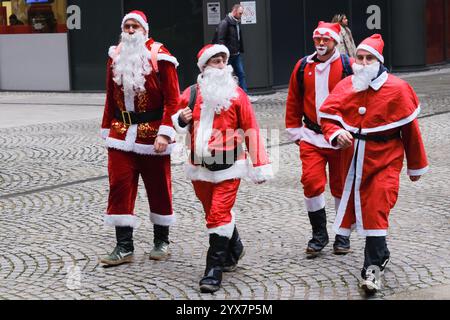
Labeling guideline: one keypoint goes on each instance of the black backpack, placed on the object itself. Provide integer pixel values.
(192, 96)
(346, 70)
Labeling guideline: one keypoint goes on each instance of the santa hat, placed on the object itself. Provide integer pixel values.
(326, 29)
(209, 51)
(137, 15)
(373, 44)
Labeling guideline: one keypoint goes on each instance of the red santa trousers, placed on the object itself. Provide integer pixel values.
(124, 169)
(218, 199)
(314, 176)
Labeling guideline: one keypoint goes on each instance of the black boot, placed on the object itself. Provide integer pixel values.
(215, 259)
(320, 238)
(341, 245)
(160, 250)
(123, 252)
(235, 252)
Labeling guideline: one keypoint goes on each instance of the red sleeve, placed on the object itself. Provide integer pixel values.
(253, 139)
(171, 92)
(414, 149)
(294, 106)
(108, 113)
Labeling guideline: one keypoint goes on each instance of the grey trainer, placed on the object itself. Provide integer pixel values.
(160, 251)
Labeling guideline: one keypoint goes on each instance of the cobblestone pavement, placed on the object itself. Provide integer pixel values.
(53, 193)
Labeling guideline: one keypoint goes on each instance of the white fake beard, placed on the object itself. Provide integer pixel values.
(322, 51)
(363, 75)
(218, 88)
(133, 63)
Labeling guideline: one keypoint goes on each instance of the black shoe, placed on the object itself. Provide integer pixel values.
(123, 252)
(341, 245)
(320, 238)
(215, 259)
(235, 252)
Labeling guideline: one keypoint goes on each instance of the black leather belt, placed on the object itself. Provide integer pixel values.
(376, 138)
(311, 125)
(130, 117)
(224, 156)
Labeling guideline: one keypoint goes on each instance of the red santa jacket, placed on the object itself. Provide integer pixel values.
(371, 169)
(162, 91)
(224, 132)
(319, 80)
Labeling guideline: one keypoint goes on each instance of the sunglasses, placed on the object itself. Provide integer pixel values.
(131, 25)
(320, 40)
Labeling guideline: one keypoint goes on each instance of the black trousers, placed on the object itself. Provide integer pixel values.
(376, 253)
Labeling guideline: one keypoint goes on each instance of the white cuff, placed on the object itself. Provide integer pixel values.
(294, 133)
(121, 220)
(104, 133)
(181, 130)
(261, 173)
(315, 203)
(417, 172)
(167, 131)
(334, 135)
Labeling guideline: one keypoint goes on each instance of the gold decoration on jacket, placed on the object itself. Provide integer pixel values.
(142, 102)
(145, 130)
(118, 98)
(119, 127)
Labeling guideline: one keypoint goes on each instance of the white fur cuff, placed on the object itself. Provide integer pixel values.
(180, 130)
(261, 173)
(167, 131)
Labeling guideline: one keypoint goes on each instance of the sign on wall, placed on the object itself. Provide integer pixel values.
(249, 15)
(213, 9)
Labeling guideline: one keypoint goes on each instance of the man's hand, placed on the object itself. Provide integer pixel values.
(186, 115)
(161, 143)
(414, 178)
(344, 140)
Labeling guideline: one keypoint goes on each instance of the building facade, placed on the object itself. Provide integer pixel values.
(63, 44)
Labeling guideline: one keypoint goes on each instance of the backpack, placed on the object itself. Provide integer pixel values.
(192, 96)
(346, 70)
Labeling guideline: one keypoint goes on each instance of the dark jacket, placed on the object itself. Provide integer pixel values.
(227, 34)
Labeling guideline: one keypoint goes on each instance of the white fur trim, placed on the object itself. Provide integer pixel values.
(166, 57)
(358, 179)
(167, 131)
(162, 220)
(294, 133)
(261, 173)
(121, 220)
(334, 135)
(315, 203)
(333, 34)
(344, 232)
(371, 50)
(378, 82)
(129, 101)
(146, 149)
(210, 52)
(104, 133)
(225, 230)
(112, 51)
(417, 172)
(374, 233)
(315, 139)
(239, 170)
(393, 125)
(136, 17)
(180, 130)
(340, 120)
(204, 131)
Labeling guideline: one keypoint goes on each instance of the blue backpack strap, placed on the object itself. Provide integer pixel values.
(346, 67)
(301, 73)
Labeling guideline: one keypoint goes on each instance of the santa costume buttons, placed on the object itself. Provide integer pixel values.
(362, 110)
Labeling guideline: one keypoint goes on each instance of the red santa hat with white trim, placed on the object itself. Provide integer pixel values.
(137, 15)
(327, 29)
(209, 51)
(373, 44)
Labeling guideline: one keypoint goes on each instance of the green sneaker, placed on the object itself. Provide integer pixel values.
(160, 251)
(117, 257)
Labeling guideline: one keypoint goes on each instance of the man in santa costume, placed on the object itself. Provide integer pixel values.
(221, 120)
(375, 113)
(311, 81)
(142, 95)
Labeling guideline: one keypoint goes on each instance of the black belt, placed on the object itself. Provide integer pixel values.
(224, 156)
(130, 117)
(311, 125)
(376, 138)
